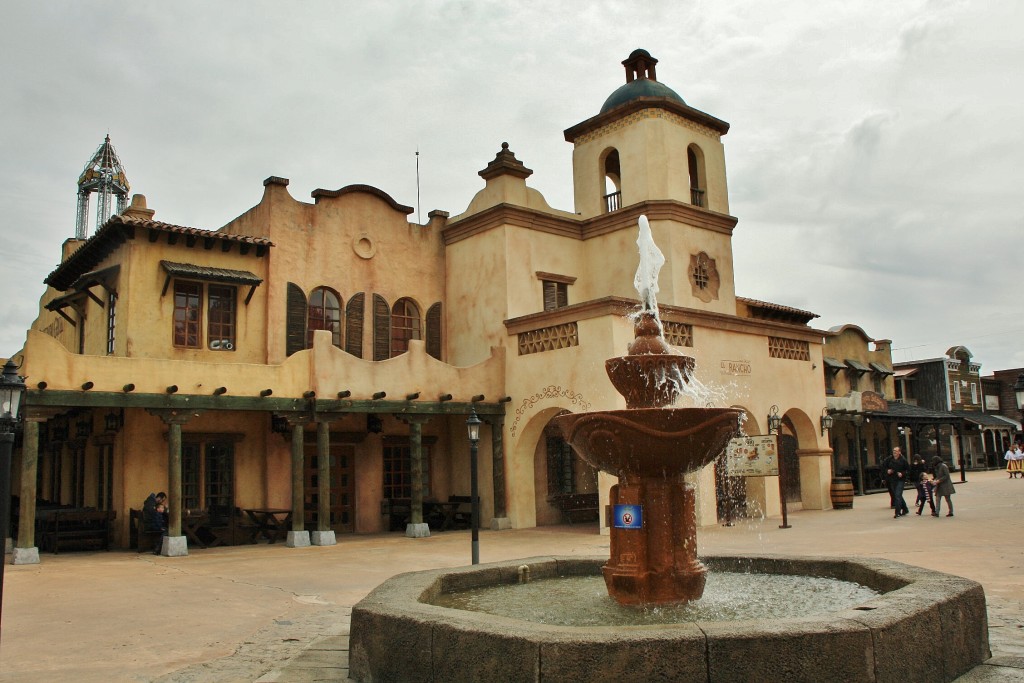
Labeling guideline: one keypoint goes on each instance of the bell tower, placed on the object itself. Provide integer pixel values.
(105, 176)
(647, 144)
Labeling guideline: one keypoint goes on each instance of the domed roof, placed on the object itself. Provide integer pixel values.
(641, 81)
(637, 89)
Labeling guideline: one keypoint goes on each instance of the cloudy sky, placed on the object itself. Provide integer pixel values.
(874, 158)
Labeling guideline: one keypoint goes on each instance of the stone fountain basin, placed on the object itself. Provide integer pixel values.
(651, 442)
(926, 626)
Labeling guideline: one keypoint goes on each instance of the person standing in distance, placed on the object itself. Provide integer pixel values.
(896, 470)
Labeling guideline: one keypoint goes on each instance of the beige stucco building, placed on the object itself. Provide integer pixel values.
(314, 356)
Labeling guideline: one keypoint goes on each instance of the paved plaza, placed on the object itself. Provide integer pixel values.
(270, 613)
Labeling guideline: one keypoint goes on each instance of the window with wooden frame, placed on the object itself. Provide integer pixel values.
(434, 331)
(381, 328)
(220, 317)
(398, 469)
(111, 320)
(187, 313)
(354, 312)
(208, 472)
(323, 313)
(556, 290)
(561, 477)
(405, 325)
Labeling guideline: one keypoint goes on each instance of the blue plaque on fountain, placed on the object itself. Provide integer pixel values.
(629, 517)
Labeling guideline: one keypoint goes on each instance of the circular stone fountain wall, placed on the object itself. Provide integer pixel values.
(925, 626)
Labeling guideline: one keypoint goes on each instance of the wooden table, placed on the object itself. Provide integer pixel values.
(440, 515)
(271, 523)
(191, 523)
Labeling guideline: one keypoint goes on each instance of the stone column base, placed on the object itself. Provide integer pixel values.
(25, 556)
(322, 538)
(297, 539)
(174, 546)
(421, 530)
(500, 523)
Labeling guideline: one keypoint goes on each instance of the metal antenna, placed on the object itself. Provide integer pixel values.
(419, 218)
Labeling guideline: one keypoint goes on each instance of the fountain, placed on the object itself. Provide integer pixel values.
(404, 629)
(649, 447)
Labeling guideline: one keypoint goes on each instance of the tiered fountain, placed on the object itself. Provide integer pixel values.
(649, 447)
(404, 631)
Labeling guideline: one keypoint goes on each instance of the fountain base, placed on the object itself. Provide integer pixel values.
(657, 562)
(397, 634)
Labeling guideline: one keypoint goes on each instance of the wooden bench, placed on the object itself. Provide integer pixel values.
(90, 528)
(577, 507)
(462, 518)
(138, 537)
(398, 511)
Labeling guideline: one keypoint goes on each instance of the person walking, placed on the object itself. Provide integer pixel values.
(1014, 461)
(896, 471)
(943, 486)
(919, 475)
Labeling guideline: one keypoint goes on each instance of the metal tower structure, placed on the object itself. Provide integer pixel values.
(105, 176)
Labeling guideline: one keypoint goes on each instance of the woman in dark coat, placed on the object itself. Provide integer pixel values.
(943, 486)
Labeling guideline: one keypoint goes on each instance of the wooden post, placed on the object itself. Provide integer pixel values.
(323, 455)
(298, 477)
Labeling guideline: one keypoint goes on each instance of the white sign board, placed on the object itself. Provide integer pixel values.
(752, 456)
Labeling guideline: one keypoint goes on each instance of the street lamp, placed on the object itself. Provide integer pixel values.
(774, 427)
(1018, 388)
(473, 430)
(826, 421)
(11, 389)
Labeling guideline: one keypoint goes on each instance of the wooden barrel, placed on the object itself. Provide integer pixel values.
(842, 492)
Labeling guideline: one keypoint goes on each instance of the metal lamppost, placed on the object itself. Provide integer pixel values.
(775, 427)
(473, 429)
(11, 389)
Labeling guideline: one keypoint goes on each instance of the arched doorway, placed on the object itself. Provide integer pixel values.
(565, 486)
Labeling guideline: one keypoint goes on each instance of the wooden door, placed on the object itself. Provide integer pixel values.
(342, 487)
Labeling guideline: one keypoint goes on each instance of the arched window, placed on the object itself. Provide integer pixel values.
(405, 325)
(612, 181)
(323, 313)
(698, 182)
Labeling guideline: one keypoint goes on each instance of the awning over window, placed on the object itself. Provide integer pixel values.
(881, 369)
(75, 300)
(833, 364)
(902, 373)
(191, 271)
(857, 366)
(105, 277)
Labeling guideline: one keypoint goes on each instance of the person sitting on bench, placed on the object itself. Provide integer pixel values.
(154, 516)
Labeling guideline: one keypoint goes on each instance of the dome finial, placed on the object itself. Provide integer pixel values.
(640, 66)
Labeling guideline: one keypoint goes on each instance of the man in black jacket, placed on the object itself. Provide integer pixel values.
(896, 470)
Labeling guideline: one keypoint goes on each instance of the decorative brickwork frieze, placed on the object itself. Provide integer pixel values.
(790, 349)
(677, 334)
(645, 114)
(549, 338)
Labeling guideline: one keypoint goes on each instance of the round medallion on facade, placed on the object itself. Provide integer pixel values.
(364, 246)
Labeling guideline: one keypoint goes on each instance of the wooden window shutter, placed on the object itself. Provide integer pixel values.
(562, 294)
(295, 320)
(550, 296)
(434, 331)
(354, 325)
(381, 328)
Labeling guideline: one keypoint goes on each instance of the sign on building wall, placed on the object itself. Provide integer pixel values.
(735, 367)
(752, 456)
